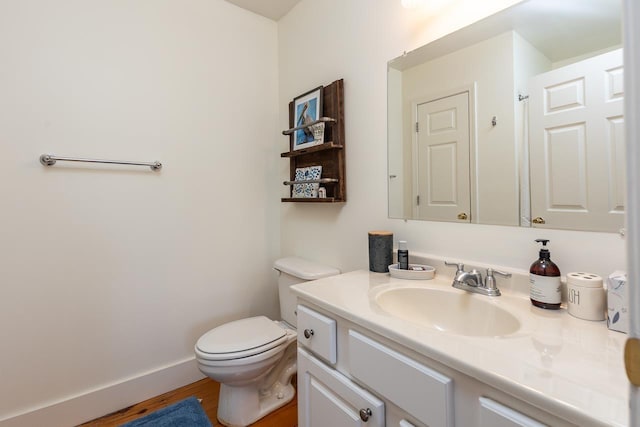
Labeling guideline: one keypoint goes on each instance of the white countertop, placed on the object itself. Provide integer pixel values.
(570, 367)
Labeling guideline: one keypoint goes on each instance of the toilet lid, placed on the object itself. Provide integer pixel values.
(254, 333)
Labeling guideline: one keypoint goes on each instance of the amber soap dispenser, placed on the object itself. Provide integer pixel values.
(544, 280)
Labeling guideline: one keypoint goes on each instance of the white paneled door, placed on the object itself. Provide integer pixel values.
(443, 144)
(577, 145)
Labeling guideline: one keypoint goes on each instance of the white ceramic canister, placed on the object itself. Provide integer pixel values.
(586, 296)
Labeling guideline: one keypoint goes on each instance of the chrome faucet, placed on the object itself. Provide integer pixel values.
(471, 281)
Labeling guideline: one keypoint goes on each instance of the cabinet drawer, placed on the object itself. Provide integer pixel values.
(494, 414)
(329, 399)
(422, 392)
(317, 332)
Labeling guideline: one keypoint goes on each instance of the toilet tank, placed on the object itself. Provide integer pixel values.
(294, 270)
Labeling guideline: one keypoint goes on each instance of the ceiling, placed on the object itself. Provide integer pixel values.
(272, 9)
(559, 29)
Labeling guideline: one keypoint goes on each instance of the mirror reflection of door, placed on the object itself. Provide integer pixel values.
(577, 145)
(395, 155)
(443, 144)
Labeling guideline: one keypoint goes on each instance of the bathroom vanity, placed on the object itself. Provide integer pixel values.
(379, 351)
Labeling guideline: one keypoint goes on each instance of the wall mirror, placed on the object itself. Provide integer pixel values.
(514, 120)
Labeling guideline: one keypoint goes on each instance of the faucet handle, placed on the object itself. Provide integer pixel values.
(490, 280)
(459, 265)
(501, 273)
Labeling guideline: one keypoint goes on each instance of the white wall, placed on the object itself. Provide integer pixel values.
(495, 182)
(528, 62)
(110, 273)
(354, 40)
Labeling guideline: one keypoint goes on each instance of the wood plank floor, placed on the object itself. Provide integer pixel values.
(205, 389)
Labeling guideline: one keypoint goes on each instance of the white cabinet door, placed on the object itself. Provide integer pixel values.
(328, 398)
(576, 145)
(494, 414)
(317, 332)
(443, 186)
(423, 392)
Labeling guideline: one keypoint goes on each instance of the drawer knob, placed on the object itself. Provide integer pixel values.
(365, 414)
(308, 333)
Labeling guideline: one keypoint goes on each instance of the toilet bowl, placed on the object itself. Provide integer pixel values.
(240, 355)
(254, 358)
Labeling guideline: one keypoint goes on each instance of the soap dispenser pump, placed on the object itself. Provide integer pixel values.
(544, 279)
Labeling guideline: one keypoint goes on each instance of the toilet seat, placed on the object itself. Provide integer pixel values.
(241, 339)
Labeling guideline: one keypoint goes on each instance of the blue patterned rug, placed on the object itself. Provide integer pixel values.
(186, 413)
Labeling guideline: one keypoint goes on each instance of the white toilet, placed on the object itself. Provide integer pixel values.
(254, 359)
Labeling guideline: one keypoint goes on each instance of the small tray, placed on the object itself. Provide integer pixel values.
(427, 273)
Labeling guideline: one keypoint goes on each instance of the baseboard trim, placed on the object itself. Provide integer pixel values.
(104, 400)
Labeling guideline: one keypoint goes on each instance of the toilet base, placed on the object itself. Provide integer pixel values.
(241, 406)
(255, 386)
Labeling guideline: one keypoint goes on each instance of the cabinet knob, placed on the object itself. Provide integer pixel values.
(365, 414)
(462, 216)
(308, 333)
(538, 220)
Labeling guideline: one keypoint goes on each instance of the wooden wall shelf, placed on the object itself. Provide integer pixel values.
(310, 199)
(330, 155)
(325, 146)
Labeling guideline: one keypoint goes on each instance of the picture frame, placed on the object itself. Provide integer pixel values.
(307, 108)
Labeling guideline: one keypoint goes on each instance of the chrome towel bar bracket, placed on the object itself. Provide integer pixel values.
(50, 160)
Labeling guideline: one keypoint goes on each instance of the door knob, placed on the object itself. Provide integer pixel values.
(631, 360)
(538, 220)
(308, 333)
(462, 216)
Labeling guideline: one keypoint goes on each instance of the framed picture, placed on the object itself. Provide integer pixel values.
(307, 108)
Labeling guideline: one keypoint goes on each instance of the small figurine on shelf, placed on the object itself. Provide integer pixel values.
(318, 133)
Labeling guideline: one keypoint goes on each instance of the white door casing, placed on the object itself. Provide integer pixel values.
(631, 18)
(577, 145)
(395, 147)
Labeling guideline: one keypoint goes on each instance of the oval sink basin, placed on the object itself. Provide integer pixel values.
(449, 311)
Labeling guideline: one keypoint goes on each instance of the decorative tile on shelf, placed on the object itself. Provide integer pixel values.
(306, 190)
